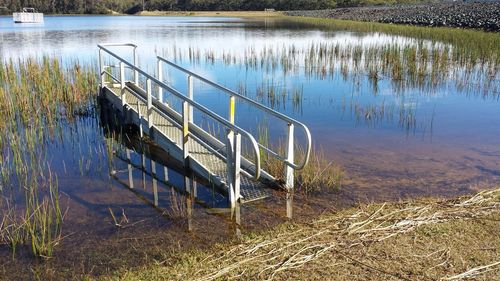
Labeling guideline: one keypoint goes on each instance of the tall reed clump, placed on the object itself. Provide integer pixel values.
(320, 174)
(422, 60)
(38, 96)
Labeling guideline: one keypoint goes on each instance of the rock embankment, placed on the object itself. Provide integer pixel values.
(480, 15)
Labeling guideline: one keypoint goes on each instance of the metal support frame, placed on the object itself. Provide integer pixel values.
(234, 133)
(288, 157)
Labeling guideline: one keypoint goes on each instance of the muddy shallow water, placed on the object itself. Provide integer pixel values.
(441, 140)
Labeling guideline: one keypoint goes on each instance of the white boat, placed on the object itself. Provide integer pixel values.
(28, 15)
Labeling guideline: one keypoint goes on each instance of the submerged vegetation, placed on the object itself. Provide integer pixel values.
(410, 68)
(409, 63)
(37, 95)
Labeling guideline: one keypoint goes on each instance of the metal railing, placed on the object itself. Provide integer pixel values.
(288, 158)
(233, 140)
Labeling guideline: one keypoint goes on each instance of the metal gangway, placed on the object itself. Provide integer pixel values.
(140, 98)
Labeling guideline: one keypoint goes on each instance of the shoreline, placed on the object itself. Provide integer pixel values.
(430, 237)
(468, 15)
(418, 15)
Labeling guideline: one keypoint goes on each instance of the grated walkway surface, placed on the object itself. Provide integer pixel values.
(250, 189)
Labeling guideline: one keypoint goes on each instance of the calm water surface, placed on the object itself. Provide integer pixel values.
(451, 145)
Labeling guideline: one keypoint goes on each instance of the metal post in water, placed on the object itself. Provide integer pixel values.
(129, 167)
(165, 173)
(155, 183)
(143, 164)
(289, 181)
(150, 103)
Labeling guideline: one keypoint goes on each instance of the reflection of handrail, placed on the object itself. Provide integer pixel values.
(185, 99)
(266, 109)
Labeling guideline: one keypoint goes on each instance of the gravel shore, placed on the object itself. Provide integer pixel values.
(479, 15)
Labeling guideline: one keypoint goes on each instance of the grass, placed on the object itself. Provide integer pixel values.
(473, 43)
(320, 174)
(37, 95)
(424, 239)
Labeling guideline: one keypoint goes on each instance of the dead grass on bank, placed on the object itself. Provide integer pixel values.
(426, 240)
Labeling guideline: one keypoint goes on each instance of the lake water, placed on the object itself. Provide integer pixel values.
(392, 140)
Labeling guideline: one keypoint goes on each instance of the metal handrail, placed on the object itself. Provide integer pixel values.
(118, 45)
(192, 103)
(260, 106)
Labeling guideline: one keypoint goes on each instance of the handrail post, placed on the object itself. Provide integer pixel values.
(101, 67)
(232, 101)
(185, 132)
(136, 62)
(190, 96)
(122, 83)
(129, 166)
(160, 78)
(230, 168)
(237, 166)
(150, 103)
(233, 161)
(289, 154)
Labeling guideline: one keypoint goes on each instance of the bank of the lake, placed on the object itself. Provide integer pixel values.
(432, 239)
(479, 15)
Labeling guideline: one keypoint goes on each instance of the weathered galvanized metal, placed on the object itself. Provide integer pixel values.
(217, 160)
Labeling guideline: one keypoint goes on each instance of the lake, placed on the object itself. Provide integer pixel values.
(399, 126)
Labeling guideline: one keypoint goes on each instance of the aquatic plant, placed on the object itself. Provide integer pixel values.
(41, 95)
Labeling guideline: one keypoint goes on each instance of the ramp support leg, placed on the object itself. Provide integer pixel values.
(289, 158)
(233, 162)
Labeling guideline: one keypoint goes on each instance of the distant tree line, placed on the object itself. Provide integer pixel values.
(134, 6)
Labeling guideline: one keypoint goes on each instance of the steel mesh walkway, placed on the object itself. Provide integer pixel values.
(250, 190)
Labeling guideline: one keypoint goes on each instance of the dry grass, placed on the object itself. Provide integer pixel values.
(430, 239)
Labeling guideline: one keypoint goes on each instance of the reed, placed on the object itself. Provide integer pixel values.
(319, 174)
(41, 95)
(414, 63)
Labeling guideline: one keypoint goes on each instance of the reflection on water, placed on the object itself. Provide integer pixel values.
(377, 104)
(411, 127)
